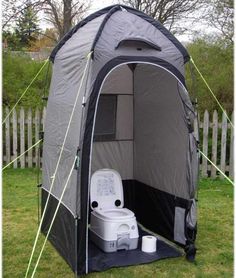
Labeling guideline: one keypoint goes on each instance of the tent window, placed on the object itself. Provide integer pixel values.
(138, 43)
(105, 126)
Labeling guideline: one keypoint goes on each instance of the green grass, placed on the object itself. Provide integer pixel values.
(214, 240)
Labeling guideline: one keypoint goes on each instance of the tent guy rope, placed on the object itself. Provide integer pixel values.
(21, 155)
(223, 174)
(58, 161)
(54, 216)
(209, 88)
(25, 91)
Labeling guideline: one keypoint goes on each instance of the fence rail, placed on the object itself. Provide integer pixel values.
(22, 129)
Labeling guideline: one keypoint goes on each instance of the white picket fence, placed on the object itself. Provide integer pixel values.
(22, 129)
(220, 134)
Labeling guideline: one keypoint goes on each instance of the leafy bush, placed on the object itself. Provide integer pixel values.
(215, 61)
(18, 71)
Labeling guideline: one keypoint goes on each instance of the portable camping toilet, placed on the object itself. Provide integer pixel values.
(118, 100)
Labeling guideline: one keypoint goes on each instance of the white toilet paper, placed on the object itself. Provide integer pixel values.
(149, 244)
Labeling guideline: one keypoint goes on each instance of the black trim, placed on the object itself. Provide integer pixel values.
(83, 179)
(114, 8)
(148, 43)
(68, 35)
(109, 14)
(165, 32)
(129, 59)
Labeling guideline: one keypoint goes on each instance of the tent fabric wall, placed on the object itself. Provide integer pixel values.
(102, 32)
(126, 25)
(160, 129)
(68, 70)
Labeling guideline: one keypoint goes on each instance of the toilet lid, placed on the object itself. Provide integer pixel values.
(106, 191)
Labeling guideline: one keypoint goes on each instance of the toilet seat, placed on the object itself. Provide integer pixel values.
(115, 214)
(106, 191)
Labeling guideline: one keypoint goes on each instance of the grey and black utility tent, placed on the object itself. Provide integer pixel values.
(132, 114)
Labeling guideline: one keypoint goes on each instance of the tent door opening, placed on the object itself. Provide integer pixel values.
(140, 132)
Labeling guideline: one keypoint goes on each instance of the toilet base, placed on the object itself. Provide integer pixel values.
(123, 242)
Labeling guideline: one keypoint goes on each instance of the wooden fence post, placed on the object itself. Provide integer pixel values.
(37, 126)
(214, 143)
(42, 125)
(223, 144)
(205, 143)
(196, 127)
(14, 127)
(22, 137)
(231, 154)
(7, 137)
(44, 117)
(29, 127)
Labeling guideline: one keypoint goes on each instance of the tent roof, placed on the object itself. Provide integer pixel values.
(109, 11)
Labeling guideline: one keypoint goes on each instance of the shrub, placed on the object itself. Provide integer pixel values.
(18, 71)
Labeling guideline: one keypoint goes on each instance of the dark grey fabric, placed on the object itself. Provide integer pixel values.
(161, 139)
(116, 155)
(105, 127)
(119, 81)
(163, 156)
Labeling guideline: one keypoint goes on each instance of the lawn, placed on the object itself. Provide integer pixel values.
(214, 240)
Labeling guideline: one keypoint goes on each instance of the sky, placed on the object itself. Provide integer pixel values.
(99, 4)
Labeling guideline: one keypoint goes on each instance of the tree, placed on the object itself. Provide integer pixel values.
(27, 26)
(168, 12)
(8, 12)
(12, 10)
(46, 39)
(63, 13)
(10, 40)
(221, 16)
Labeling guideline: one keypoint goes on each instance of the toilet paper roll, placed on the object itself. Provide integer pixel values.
(149, 244)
